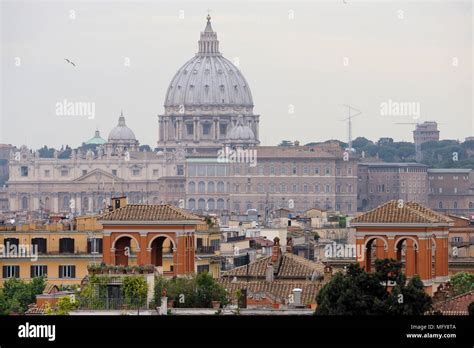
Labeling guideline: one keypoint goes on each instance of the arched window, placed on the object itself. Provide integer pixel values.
(192, 204)
(455, 205)
(210, 187)
(440, 205)
(201, 204)
(220, 204)
(220, 187)
(211, 204)
(202, 187)
(191, 187)
(471, 205)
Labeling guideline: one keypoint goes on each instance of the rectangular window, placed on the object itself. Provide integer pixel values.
(201, 171)
(24, 170)
(64, 172)
(206, 129)
(222, 129)
(11, 271)
(155, 172)
(38, 271)
(47, 173)
(349, 207)
(66, 245)
(114, 172)
(190, 128)
(67, 271)
(84, 171)
(328, 171)
(40, 243)
(338, 171)
(202, 268)
(179, 169)
(135, 172)
(94, 245)
(211, 171)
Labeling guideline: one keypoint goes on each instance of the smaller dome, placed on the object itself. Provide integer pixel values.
(121, 133)
(96, 140)
(241, 132)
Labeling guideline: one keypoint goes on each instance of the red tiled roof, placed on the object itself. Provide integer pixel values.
(290, 267)
(456, 304)
(277, 289)
(148, 212)
(408, 212)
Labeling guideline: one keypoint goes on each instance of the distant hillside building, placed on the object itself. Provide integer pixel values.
(382, 182)
(424, 132)
(451, 190)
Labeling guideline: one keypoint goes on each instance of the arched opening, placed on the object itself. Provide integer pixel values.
(375, 248)
(433, 258)
(162, 253)
(122, 250)
(407, 255)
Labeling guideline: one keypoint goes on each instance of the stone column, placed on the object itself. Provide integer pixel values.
(91, 204)
(55, 206)
(78, 203)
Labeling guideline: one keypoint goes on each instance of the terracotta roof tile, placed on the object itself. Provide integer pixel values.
(290, 267)
(457, 304)
(409, 212)
(148, 212)
(277, 289)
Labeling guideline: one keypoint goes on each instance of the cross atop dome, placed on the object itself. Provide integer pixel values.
(208, 25)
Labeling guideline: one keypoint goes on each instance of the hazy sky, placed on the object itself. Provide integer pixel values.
(308, 56)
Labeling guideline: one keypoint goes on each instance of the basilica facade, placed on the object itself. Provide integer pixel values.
(208, 157)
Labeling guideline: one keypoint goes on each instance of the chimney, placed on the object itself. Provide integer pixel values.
(269, 273)
(289, 245)
(327, 273)
(297, 297)
(276, 253)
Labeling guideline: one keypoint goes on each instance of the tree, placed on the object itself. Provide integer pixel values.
(65, 305)
(16, 294)
(409, 299)
(361, 142)
(462, 282)
(354, 293)
(360, 293)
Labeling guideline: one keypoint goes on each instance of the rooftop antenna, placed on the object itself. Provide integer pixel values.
(349, 122)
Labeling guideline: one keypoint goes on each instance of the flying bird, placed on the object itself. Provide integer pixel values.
(67, 60)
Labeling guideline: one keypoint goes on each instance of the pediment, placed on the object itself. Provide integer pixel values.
(98, 176)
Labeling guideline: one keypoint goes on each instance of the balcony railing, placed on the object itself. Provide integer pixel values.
(205, 250)
(112, 303)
